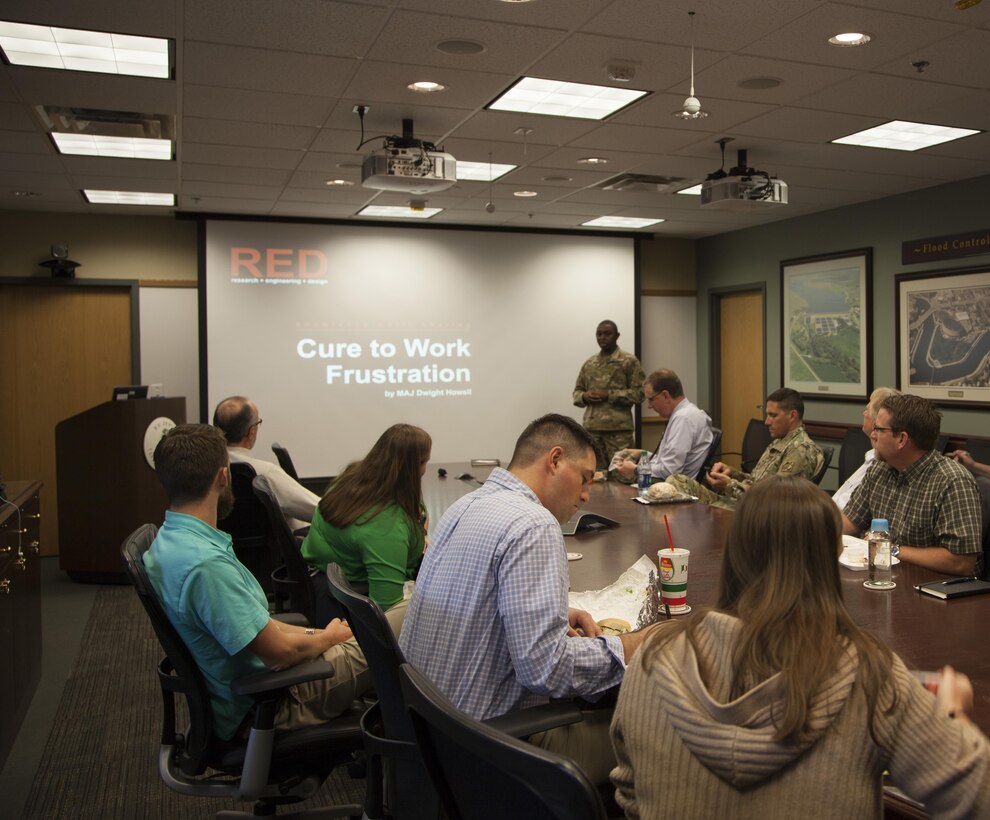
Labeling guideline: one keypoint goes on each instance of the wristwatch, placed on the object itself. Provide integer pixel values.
(895, 550)
(310, 631)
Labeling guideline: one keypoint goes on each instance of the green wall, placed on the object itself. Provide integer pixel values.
(753, 255)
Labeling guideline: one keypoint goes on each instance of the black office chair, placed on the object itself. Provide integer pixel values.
(405, 792)
(713, 452)
(941, 443)
(285, 460)
(269, 767)
(249, 527)
(979, 450)
(297, 586)
(756, 439)
(827, 453)
(855, 445)
(983, 564)
(480, 772)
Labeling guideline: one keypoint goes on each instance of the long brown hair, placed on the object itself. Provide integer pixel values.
(389, 474)
(780, 578)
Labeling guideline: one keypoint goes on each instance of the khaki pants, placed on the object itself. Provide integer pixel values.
(317, 701)
(587, 743)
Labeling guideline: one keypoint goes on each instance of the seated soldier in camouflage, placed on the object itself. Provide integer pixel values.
(790, 453)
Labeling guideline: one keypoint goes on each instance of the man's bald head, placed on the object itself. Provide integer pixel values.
(236, 417)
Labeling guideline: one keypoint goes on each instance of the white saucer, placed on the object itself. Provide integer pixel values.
(857, 567)
(574, 556)
(680, 610)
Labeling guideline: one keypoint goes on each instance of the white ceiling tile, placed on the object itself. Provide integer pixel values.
(253, 106)
(254, 134)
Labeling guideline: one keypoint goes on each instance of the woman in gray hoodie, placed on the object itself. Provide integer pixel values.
(775, 704)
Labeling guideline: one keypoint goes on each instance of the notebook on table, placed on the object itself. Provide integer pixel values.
(954, 587)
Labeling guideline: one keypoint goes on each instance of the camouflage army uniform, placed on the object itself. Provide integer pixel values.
(610, 422)
(794, 454)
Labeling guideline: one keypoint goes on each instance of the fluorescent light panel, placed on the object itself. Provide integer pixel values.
(94, 145)
(399, 211)
(694, 190)
(531, 95)
(620, 222)
(128, 198)
(73, 49)
(899, 135)
(479, 171)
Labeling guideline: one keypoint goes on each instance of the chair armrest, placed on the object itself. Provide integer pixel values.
(526, 722)
(291, 618)
(261, 683)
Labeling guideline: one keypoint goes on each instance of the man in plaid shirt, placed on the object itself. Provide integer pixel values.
(931, 503)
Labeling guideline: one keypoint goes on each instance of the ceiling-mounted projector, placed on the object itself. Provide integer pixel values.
(408, 165)
(742, 188)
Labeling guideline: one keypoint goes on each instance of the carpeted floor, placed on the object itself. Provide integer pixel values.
(101, 757)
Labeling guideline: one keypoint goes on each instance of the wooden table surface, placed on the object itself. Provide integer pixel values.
(926, 632)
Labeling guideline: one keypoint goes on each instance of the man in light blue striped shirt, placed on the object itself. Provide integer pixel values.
(489, 622)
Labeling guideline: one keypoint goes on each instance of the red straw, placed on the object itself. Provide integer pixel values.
(669, 536)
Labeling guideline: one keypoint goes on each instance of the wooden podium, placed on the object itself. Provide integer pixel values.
(106, 489)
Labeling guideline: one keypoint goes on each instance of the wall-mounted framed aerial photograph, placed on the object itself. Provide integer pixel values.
(943, 335)
(826, 322)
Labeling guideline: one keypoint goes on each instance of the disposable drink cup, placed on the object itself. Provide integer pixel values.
(673, 577)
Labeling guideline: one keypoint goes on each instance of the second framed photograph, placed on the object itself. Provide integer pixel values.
(825, 324)
(943, 335)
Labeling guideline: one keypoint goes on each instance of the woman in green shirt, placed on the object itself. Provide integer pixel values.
(371, 522)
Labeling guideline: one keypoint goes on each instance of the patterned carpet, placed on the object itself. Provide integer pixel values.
(101, 757)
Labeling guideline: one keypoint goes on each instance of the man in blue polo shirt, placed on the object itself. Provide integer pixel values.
(220, 610)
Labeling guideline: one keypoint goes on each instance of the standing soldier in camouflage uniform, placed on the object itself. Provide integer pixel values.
(790, 453)
(608, 386)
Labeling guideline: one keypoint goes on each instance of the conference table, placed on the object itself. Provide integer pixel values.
(926, 632)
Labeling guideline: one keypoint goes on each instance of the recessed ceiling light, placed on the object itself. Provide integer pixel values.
(481, 171)
(525, 194)
(620, 222)
(398, 211)
(694, 190)
(426, 87)
(26, 194)
(73, 49)
(593, 161)
(339, 183)
(95, 145)
(899, 135)
(557, 98)
(760, 83)
(128, 198)
(849, 38)
(517, 1)
(460, 47)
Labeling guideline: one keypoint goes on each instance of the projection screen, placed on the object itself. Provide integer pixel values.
(337, 332)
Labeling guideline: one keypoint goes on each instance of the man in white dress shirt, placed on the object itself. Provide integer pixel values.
(238, 419)
(841, 496)
(686, 440)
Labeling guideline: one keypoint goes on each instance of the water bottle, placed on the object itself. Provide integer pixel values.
(644, 474)
(878, 555)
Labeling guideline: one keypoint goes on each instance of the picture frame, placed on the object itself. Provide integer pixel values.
(943, 335)
(826, 321)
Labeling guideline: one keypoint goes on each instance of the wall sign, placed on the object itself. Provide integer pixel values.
(953, 246)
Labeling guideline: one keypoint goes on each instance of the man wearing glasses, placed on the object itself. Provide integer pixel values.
(239, 420)
(931, 503)
(686, 439)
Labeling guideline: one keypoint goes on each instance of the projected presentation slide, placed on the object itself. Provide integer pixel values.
(337, 332)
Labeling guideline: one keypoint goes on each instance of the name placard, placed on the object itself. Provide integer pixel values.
(953, 246)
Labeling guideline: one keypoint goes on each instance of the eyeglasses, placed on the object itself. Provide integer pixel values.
(255, 424)
(877, 429)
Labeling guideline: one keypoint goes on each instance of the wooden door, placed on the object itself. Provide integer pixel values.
(64, 348)
(740, 371)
